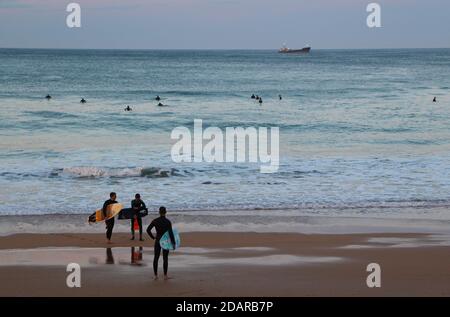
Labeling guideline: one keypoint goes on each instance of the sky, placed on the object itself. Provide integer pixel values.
(224, 24)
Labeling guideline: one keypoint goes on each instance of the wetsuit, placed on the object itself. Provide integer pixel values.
(162, 225)
(137, 206)
(109, 222)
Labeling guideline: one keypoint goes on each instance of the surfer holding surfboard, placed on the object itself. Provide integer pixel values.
(162, 226)
(138, 205)
(109, 222)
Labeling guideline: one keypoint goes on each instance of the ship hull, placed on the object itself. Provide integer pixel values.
(305, 50)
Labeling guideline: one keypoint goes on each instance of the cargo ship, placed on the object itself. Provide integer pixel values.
(285, 50)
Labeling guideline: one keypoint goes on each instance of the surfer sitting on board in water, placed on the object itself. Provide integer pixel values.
(109, 222)
(138, 205)
(162, 225)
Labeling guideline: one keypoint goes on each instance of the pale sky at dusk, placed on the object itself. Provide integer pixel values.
(224, 24)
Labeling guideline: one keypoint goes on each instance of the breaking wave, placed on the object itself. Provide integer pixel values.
(120, 172)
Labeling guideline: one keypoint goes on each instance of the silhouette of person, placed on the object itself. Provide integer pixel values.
(109, 256)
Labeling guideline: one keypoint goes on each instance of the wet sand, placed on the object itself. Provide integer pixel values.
(228, 264)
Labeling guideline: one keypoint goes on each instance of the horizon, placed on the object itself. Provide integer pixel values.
(219, 49)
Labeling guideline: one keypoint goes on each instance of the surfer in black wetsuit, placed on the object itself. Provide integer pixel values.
(162, 225)
(137, 205)
(48, 97)
(158, 98)
(253, 96)
(109, 222)
(128, 108)
(434, 99)
(83, 100)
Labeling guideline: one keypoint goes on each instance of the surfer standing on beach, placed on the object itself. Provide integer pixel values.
(138, 205)
(162, 225)
(109, 222)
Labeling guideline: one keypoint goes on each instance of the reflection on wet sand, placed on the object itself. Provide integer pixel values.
(187, 257)
(137, 255)
(135, 259)
(109, 256)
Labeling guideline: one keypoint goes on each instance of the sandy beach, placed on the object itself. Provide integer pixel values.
(228, 264)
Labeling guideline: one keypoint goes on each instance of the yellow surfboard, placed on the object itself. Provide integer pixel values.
(111, 211)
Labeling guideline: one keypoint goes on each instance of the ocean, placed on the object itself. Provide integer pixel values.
(359, 133)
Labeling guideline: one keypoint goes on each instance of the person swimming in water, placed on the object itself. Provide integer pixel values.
(253, 96)
(158, 98)
(48, 97)
(128, 108)
(257, 97)
(161, 105)
(279, 96)
(83, 100)
(260, 100)
(434, 99)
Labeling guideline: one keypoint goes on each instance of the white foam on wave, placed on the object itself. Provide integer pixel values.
(80, 226)
(90, 171)
(122, 172)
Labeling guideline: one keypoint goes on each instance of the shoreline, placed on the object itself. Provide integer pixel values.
(290, 221)
(228, 264)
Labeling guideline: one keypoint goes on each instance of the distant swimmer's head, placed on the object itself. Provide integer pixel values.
(83, 100)
(260, 100)
(113, 195)
(434, 99)
(48, 97)
(137, 196)
(253, 96)
(162, 211)
(158, 98)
